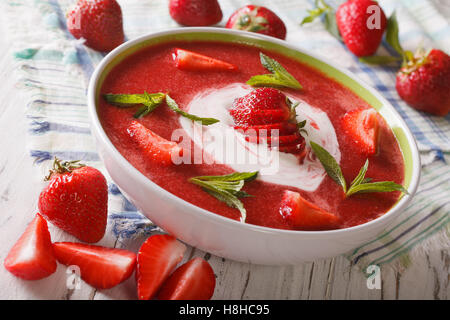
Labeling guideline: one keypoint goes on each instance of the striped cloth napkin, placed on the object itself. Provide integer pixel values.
(53, 70)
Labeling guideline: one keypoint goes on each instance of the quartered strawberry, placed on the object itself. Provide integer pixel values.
(194, 280)
(155, 147)
(363, 126)
(192, 61)
(304, 215)
(101, 267)
(32, 256)
(263, 110)
(76, 200)
(156, 259)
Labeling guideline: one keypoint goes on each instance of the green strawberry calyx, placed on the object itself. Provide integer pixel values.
(61, 167)
(252, 22)
(412, 62)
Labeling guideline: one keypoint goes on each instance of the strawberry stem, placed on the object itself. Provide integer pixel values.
(60, 167)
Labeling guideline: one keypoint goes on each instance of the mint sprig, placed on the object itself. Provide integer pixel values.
(227, 188)
(149, 101)
(322, 9)
(360, 184)
(279, 76)
(174, 107)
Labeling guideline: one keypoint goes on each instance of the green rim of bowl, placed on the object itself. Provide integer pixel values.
(386, 112)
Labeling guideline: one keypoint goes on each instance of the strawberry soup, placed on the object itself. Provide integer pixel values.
(335, 164)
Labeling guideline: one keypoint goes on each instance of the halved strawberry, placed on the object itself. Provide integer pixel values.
(100, 267)
(156, 259)
(32, 256)
(305, 215)
(363, 127)
(194, 280)
(192, 61)
(157, 148)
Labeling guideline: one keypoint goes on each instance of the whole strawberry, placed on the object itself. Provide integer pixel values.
(195, 12)
(76, 200)
(257, 19)
(424, 82)
(361, 24)
(99, 22)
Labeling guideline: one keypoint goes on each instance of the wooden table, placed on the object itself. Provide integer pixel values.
(427, 277)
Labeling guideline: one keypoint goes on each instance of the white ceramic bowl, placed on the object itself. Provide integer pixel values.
(222, 236)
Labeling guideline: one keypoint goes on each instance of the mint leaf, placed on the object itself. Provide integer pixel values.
(361, 175)
(227, 188)
(329, 17)
(150, 101)
(174, 107)
(279, 76)
(313, 14)
(236, 176)
(329, 164)
(331, 25)
(360, 184)
(392, 34)
(381, 186)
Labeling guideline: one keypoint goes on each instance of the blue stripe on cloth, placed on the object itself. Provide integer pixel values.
(41, 156)
(40, 101)
(52, 84)
(27, 66)
(411, 228)
(38, 127)
(131, 225)
(127, 205)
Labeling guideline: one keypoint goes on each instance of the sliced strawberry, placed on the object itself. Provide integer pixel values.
(157, 148)
(263, 110)
(285, 140)
(194, 280)
(277, 141)
(101, 267)
(156, 260)
(293, 148)
(192, 61)
(32, 256)
(265, 98)
(305, 215)
(259, 117)
(282, 127)
(363, 126)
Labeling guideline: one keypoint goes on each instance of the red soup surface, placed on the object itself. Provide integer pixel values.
(153, 70)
